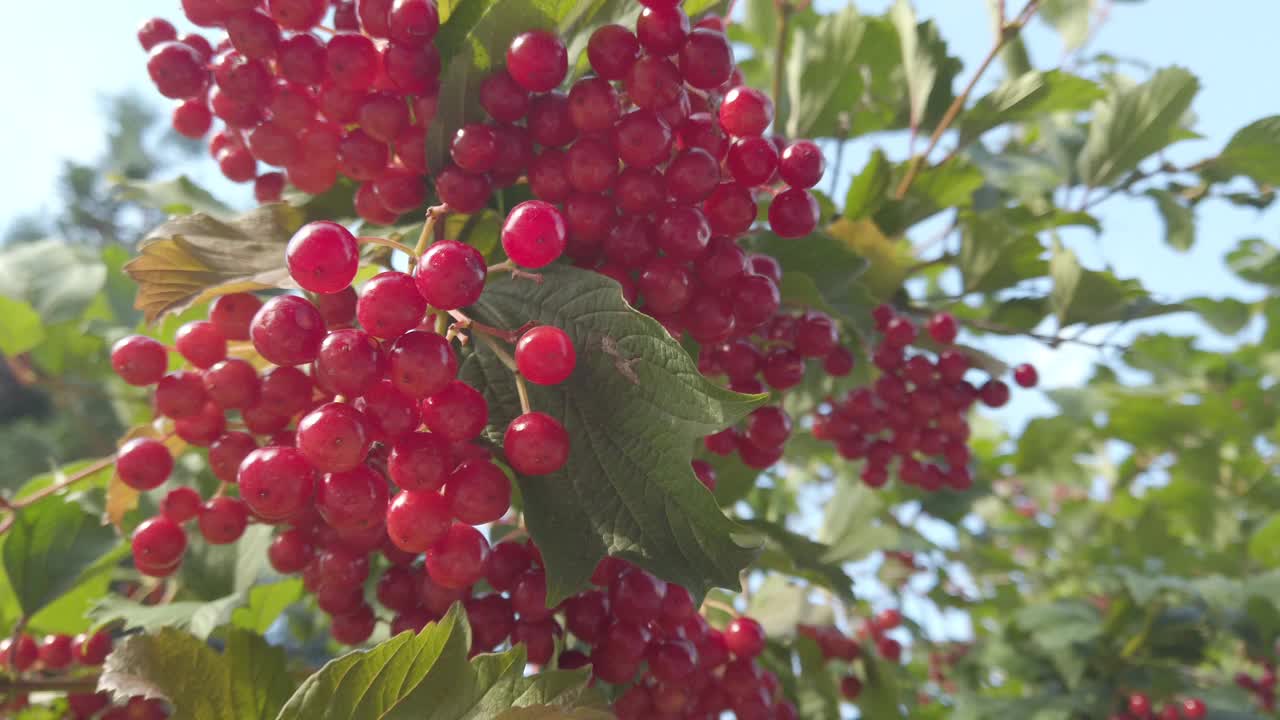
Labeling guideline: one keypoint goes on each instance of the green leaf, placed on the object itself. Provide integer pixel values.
(849, 527)
(20, 327)
(1254, 151)
(1264, 544)
(1095, 297)
(822, 271)
(266, 603)
(427, 677)
(879, 698)
(634, 407)
(779, 605)
(179, 196)
(995, 255)
(1179, 219)
(1025, 97)
(57, 280)
(869, 188)
(820, 86)
(1026, 176)
(194, 258)
(1227, 315)
(1256, 260)
(247, 682)
(1132, 123)
(799, 556)
(917, 63)
(1070, 18)
(53, 546)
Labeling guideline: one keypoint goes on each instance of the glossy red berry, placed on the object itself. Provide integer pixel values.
(534, 234)
(353, 501)
(1026, 375)
(478, 492)
(223, 520)
(332, 438)
(457, 560)
(503, 98)
(662, 30)
(181, 504)
(91, 650)
(349, 363)
(158, 545)
(177, 70)
(417, 520)
(706, 59)
(794, 213)
(180, 395)
(801, 164)
(287, 330)
(139, 360)
(413, 22)
(744, 637)
(155, 31)
(745, 111)
(144, 464)
(545, 355)
(537, 60)
(276, 483)
(536, 444)
(201, 343)
(390, 305)
(943, 328)
(994, 393)
(612, 50)
(451, 275)
(458, 412)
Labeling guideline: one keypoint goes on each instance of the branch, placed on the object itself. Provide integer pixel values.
(66, 482)
(780, 52)
(1007, 33)
(82, 684)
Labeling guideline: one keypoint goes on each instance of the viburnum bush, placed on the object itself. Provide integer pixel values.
(551, 378)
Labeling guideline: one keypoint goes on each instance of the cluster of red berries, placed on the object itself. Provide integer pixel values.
(1263, 686)
(657, 179)
(835, 645)
(1138, 707)
(357, 104)
(381, 409)
(59, 654)
(915, 411)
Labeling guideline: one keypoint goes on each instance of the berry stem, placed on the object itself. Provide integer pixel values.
(84, 684)
(503, 356)
(434, 213)
(442, 323)
(516, 272)
(510, 336)
(523, 391)
(709, 604)
(66, 482)
(388, 242)
(1007, 33)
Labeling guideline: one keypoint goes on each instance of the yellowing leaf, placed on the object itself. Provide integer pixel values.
(889, 257)
(195, 258)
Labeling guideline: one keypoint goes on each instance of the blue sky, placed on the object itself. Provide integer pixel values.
(86, 50)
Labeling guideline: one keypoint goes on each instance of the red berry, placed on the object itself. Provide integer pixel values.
(192, 118)
(155, 31)
(474, 148)
(744, 637)
(706, 59)
(276, 483)
(746, 111)
(390, 305)
(1026, 375)
(90, 650)
(421, 363)
(158, 545)
(478, 492)
(943, 328)
(1140, 705)
(451, 275)
(801, 164)
(503, 98)
(332, 438)
(612, 50)
(177, 70)
(55, 652)
(537, 60)
(180, 395)
(458, 412)
(593, 104)
(417, 520)
(794, 213)
(201, 343)
(653, 82)
(994, 393)
(1194, 709)
(139, 360)
(297, 15)
(349, 363)
(662, 30)
(534, 234)
(353, 500)
(730, 209)
(458, 559)
(181, 504)
(222, 520)
(536, 444)
(545, 355)
(643, 139)
(413, 22)
(287, 330)
(352, 61)
(233, 313)
(850, 687)
(144, 464)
